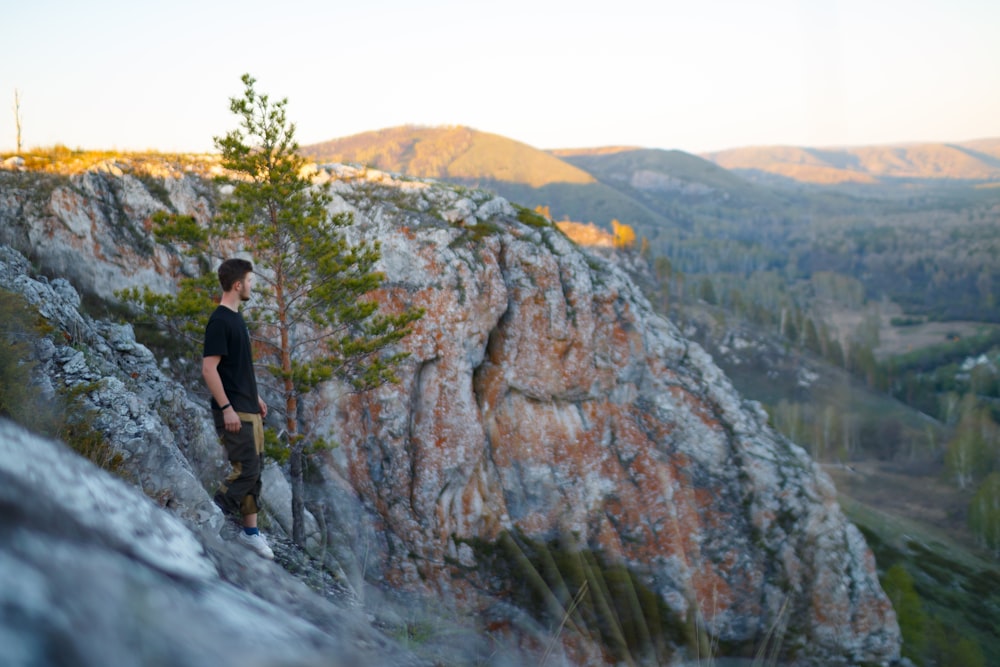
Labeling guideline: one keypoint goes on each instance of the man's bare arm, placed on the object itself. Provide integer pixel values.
(210, 372)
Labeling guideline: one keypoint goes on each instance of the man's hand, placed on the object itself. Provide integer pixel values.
(232, 420)
(263, 407)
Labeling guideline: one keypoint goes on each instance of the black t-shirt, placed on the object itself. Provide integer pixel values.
(226, 335)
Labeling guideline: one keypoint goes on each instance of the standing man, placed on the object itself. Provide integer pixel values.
(238, 410)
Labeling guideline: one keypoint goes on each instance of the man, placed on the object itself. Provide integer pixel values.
(238, 410)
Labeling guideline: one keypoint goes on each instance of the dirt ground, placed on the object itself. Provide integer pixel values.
(895, 340)
(900, 340)
(925, 498)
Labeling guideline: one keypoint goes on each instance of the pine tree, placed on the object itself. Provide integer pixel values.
(315, 320)
(811, 337)
(707, 292)
(325, 326)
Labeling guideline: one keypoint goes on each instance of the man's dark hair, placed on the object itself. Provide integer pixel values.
(233, 270)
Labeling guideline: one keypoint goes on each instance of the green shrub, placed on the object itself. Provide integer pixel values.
(155, 187)
(74, 426)
(898, 585)
(16, 364)
(530, 218)
(577, 590)
(475, 233)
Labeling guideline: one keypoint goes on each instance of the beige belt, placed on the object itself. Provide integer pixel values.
(258, 428)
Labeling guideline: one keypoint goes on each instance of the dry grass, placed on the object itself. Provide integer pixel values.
(68, 162)
(900, 340)
(896, 340)
(926, 498)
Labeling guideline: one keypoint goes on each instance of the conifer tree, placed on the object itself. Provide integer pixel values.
(314, 320)
(324, 326)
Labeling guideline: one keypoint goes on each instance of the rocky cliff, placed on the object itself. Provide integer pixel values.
(557, 462)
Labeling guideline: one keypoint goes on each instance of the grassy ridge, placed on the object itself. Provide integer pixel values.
(449, 152)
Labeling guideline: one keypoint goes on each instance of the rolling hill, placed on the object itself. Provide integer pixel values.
(521, 173)
(455, 153)
(640, 186)
(660, 177)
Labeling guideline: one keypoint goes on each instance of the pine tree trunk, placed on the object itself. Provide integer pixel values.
(298, 499)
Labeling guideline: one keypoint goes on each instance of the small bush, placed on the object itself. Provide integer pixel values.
(530, 218)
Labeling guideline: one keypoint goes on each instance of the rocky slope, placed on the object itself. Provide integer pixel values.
(546, 417)
(94, 573)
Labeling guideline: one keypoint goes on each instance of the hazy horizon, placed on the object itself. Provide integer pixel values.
(901, 144)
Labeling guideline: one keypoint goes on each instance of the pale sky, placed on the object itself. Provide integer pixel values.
(693, 75)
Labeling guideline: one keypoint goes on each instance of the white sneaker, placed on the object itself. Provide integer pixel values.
(257, 543)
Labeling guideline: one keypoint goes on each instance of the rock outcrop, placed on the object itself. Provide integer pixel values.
(545, 398)
(546, 414)
(94, 573)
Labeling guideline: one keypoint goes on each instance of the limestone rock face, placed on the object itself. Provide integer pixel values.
(93, 228)
(543, 401)
(544, 397)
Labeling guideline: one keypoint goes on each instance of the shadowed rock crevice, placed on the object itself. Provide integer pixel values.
(421, 380)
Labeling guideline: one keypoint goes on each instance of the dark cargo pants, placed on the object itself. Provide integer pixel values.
(239, 493)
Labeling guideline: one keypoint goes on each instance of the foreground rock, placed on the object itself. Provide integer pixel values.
(94, 573)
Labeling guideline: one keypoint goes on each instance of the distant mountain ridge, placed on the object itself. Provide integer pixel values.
(972, 161)
(652, 189)
(586, 185)
(465, 154)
